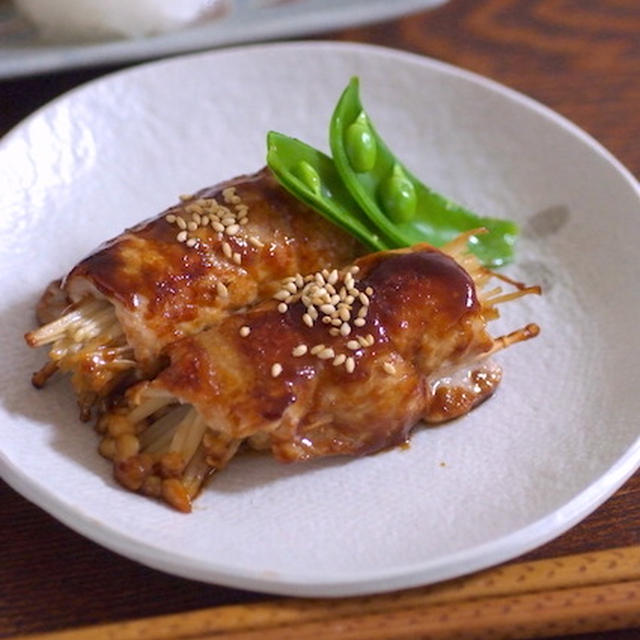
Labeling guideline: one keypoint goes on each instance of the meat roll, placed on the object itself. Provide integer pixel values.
(108, 321)
(337, 362)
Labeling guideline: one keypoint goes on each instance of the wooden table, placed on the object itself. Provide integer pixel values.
(579, 57)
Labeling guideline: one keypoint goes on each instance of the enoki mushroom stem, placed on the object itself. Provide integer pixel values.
(88, 342)
(162, 448)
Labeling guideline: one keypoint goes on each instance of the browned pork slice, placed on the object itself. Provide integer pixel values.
(217, 251)
(336, 363)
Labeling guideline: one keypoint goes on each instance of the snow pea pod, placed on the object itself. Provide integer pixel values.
(311, 176)
(397, 203)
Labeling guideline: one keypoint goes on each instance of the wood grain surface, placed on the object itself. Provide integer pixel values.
(599, 590)
(506, 618)
(579, 57)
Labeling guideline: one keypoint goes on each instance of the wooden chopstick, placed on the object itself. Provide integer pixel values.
(571, 594)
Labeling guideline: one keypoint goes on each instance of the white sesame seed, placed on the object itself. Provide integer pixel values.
(350, 364)
(326, 354)
(317, 349)
(363, 341)
(333, 277)
(231, 230)
(170, 218)
(370, 339)
(182, 236)
(326, 319)
(313, 312)
(276, 369)
(243, 220)
(180, 222)
(362, 312)
(299, 281)
(217, 226)
(339, 359)
(327, 308)
(222, 289)
(291, 286)
(359, 322)
(197, 218)
(336, 322)
(389, 368)
(364, 301)
(192, 226)
(227, 250)
(369, 291)
(354, 345)
(354, 269)
(306, 318)
(334, 331)
(345, 329)
(300, 350)
(228, 193)
(186, 196)
(281, 295)
(255, 241)
(282, 307)
(245, 331)
(192, 242)
(237, 258)
(227, 221)
(204, 221)
(344, 313)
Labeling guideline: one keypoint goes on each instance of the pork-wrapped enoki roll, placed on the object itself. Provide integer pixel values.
(171, 276)
(341, 362)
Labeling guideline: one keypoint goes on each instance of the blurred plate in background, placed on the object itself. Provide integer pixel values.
(23, 52)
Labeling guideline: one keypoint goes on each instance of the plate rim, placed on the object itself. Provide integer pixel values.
(410, 57)
(448, 566)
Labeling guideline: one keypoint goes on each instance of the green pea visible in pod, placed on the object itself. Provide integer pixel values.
(360, 144)
(308, 175)
(397, 195)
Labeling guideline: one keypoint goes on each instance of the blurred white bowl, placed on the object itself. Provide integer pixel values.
(91, 20)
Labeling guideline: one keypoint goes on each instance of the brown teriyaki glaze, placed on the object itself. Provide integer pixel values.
(170, 287)
(423, 310)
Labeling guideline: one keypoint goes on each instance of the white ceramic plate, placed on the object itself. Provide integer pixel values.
(23, 52)
(558, 438)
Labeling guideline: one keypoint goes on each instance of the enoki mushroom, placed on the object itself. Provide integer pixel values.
(88, 341)
(161, 448)
(491, 298)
